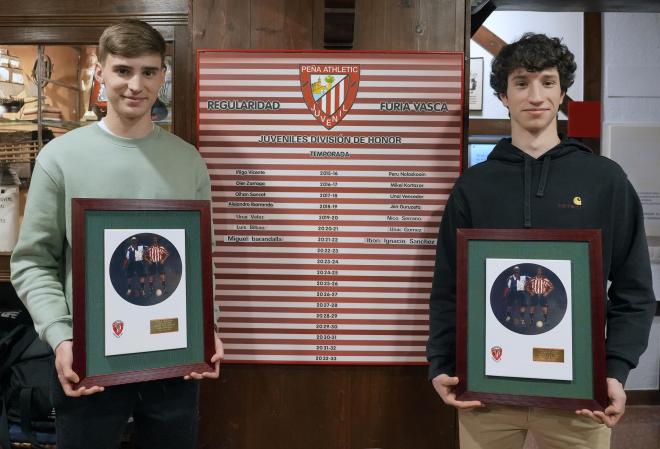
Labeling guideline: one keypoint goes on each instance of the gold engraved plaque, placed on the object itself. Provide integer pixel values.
(548, 355)
(166, 325)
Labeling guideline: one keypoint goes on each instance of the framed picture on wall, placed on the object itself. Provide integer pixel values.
(530, 318)
(476, 84)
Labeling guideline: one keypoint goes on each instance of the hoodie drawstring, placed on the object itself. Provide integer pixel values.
(527, 193)
(544, 176)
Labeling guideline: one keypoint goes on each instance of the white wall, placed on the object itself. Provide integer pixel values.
(510, 25)
(631, 42)
(631, 94)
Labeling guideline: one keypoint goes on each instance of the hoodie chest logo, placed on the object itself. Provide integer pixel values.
(575, 203)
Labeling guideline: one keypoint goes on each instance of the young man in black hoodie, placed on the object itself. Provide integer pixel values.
(548, 181)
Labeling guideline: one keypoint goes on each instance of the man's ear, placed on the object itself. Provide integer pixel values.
(504, 100)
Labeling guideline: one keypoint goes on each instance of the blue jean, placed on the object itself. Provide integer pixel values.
(165, 413)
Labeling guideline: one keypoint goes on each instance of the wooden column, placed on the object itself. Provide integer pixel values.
(311, 406)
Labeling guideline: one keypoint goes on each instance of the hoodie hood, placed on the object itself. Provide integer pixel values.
(505, 151)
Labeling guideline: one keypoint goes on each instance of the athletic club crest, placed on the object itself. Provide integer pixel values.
(118, 328)
(329, 90)
(496, 352)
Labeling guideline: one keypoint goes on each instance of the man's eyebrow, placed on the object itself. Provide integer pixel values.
(128, 67)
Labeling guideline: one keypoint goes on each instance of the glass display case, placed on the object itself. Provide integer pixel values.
(47, 90)
(52, 87)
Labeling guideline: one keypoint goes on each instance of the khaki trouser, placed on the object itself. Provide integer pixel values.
(504, 427)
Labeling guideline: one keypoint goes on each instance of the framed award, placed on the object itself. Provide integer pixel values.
(530, 317)
(142, 289)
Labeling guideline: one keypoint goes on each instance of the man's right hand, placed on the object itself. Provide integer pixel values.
(65, 373)
(444, 385)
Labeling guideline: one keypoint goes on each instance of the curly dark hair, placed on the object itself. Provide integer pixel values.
(534, 52)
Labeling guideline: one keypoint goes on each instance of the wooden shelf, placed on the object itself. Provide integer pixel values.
(4, 266)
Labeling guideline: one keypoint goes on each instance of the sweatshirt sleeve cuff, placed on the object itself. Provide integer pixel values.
(618, 369)
(56, 333)
(438, 365)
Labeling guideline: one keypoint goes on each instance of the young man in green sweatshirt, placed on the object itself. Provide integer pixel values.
(123, 156)
(534, 180)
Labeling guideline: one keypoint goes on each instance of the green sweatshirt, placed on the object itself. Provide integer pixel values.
(90, 163)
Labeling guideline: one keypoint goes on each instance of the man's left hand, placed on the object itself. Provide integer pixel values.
(613, 413)
(219, 355)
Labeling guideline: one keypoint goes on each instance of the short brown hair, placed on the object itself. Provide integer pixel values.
(131, 38)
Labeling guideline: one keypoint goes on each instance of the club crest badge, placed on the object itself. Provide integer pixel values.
(118, 328)
(496, 352)
(329, 90)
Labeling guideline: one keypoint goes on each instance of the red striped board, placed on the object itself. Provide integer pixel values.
(329, 173)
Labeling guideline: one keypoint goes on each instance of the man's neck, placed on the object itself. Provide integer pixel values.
(126, 127)
(534, 144)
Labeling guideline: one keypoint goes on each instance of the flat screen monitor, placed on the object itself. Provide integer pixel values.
(479, 147)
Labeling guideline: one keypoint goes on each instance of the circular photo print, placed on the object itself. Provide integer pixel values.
(145, 269)
(528, 299)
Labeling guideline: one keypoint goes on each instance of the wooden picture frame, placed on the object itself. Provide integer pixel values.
(94, 223)
(584, 317)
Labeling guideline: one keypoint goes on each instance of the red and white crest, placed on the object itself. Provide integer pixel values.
(496, 352)
(329, 90)
(118, 328)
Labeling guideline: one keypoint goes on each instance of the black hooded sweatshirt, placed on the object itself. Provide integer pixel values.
(568, 187)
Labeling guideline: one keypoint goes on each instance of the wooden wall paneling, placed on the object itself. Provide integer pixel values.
(281, 24)
(371, 27)
(463, 32)
(442, 25)
(395, 407)
(71, 35)
(324, 407)
(221, 24)
(258, 24)
(593, 64)
(92, 11)
(21, 34)
(318, 26)
(593, 56)
(184, 87)
(409, 25)
(276, 407)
